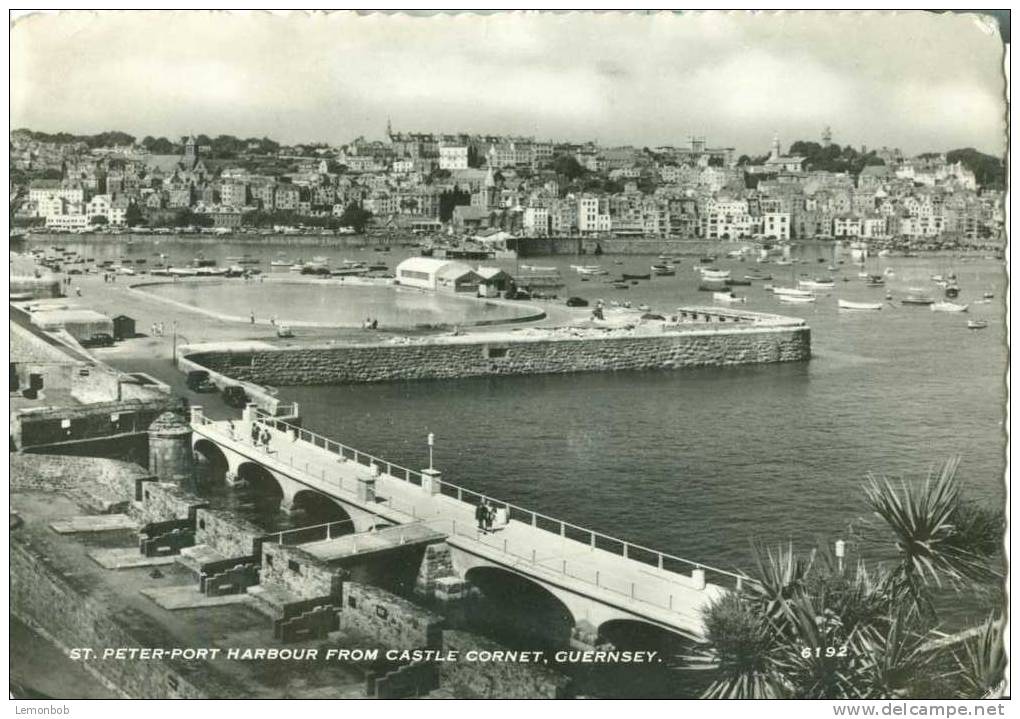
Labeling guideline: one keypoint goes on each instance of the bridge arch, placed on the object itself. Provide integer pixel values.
(519, 609)
(263, 487)
(212, 465)
(317, 508)
(638, 635)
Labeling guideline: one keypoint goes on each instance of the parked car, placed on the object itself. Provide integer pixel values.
(284, 331)
(577, 302)
(235, 396)
(198, 381)
(99, 340)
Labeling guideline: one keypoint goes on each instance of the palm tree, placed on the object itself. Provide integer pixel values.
(808, 628)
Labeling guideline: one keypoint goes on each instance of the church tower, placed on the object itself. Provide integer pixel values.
(775, 147)
(190, 152)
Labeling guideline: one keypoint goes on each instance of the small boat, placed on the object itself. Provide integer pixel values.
(281, 263)
(707, 260)
(628, 276)
(863, 275)
(917, 299)
(664, 270)
(876, 281)
(539, 268)
(937, 278)
(816, 284)
(889, 272)
(738, 282)
(792, 299)
(620, 286)
(713, 274)
(830, 268)
(988, 295)
(763, 278)
(848, 305)
(948, 307)
(784, 263)
(592, 270)
(952, 291)
(791, 292)
(644, 308)
(977, 324)
(713, 286)
(728, 298)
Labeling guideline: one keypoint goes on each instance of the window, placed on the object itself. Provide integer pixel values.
(201, 524)
(269, 560)
(496, 352)
(352, 602)
(293, 566)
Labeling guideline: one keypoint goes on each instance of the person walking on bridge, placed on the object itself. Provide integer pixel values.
(255, 433)
(481, 512)
(265, 439)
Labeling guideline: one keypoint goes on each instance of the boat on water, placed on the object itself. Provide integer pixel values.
(714, 274)
(791, 292)
(629, 276)
(735, 282)
(796, 300)
(589, 270)
(620, 286)
(863, 275)
(875, 281)
(977, 324)
(707, 260)
(917, 299)
(848, 305)
(952, 291)
(281, 263)
(539, 268)
(784, 263)
(664, 270)
(830, 268)
(937, 278)
(728, 298)
(948, 307)
(644, 308)
(756, 277)
(713, 286)
(816, 284)
(988, 295)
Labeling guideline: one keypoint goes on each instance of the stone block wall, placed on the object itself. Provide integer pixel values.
(162, 501)
(228, 534)
(298, 572)
(496, 680)
(46, 426)
(448, 360)
(435, 565)
(390, 620)
(49, 598)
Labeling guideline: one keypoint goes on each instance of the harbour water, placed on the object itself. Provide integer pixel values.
(698, 463)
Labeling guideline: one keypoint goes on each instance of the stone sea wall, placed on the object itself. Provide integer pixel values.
(69, 612)
(481, 356)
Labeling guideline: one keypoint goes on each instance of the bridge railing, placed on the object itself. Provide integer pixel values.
(654, 558)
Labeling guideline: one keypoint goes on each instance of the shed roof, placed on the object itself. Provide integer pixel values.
(432, 265)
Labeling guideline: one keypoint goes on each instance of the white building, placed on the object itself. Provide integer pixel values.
(536, 221)
(437, 275)
(592, 216)
(67, 222)
(453, 157)
(776, 224)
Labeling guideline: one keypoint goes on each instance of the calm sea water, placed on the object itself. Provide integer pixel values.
(700, 462)
(697, 462)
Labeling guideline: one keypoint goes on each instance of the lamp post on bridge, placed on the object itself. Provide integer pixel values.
(431, 477)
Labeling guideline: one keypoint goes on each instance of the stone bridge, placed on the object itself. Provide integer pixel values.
(595, 579)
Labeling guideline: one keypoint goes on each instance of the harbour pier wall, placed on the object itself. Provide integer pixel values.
(483, 354)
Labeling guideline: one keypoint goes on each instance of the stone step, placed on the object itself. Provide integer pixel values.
(271, 600)
(94, 523)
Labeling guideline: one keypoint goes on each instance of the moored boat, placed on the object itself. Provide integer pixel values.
(948, 307)
(977, 324)
(629, 276)
(728, 298)
(848, 305)
(795, 299)
(791, 292)
(664, 270)
(816, 284)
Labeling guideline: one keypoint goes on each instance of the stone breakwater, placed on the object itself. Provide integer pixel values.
(528, 352)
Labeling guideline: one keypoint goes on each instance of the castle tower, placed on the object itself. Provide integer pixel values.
(170, 454)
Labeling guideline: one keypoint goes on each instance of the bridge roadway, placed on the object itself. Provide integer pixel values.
(627, 580)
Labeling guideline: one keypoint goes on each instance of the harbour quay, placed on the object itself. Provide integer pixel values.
(693, 337)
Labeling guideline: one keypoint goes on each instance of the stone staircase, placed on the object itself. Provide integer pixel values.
(228, 576)
(401, 680)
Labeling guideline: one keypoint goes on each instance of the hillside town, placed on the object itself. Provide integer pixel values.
(466, 184)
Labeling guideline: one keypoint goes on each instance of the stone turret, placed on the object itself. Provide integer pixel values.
(170, 454)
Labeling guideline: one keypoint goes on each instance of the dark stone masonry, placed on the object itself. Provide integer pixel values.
(451, 358)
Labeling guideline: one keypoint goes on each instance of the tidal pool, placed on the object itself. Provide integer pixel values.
(334, 304)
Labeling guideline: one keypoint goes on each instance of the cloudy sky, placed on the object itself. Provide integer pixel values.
(912, 80)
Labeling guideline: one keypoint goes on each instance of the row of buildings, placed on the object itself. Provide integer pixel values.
(433, 181)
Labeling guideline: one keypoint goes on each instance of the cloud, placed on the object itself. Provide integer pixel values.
(913, 79)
